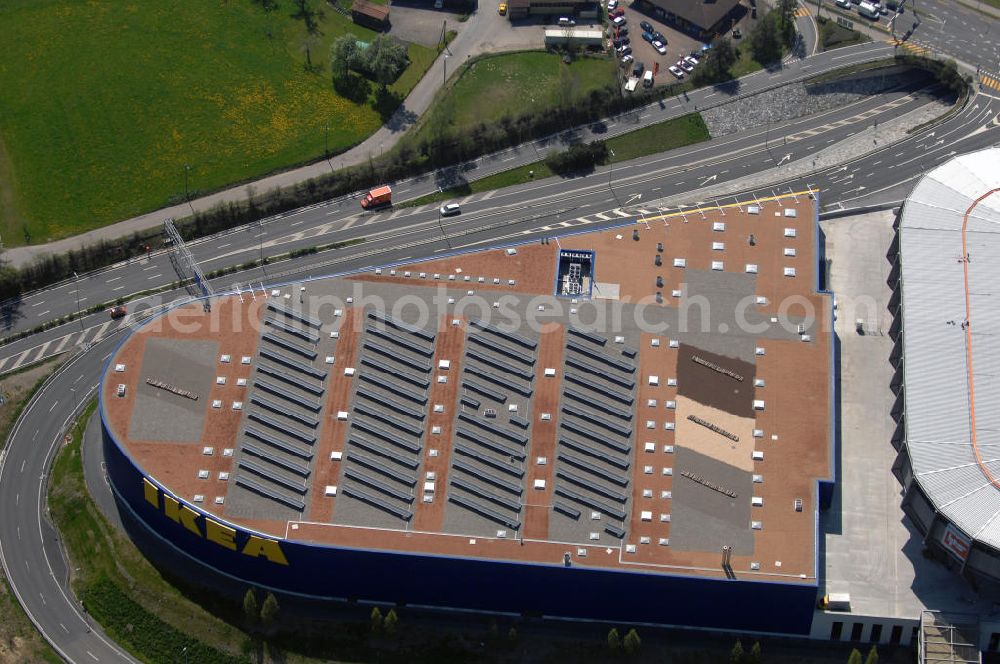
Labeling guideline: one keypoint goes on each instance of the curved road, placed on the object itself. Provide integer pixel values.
(29, 549)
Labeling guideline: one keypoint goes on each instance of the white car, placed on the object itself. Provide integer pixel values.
(660, 47)
(675, 70)
(626, 60)
(844, 4)
(686, 66)
(450, 209)
(619, 20)
(612, 4)
(690, 60)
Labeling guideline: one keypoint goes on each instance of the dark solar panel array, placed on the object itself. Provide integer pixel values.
(474, 404)
(500, 380)
(592, 503)
(400, 325)
(281, 426)
(512, 353)
(614, 530)
(384, 452)
(295, 315)
(387, 436)
(484, 390)
(571, 512)
(588, 466)
(394, 388)
(378, 485)
(267, 474)
(583, 365)
(489, 478)
(596, 436)
(401, 408)
(589, 336)
(628, 351)
(620, 397)
(591, 486)
(597, 403)
(599, 420)
(488, 461)
(510, 336)
(298, 349)
(506, 503)
(391, 420)
(377, 502)
(594, 354)
(290, 379)
(394, 355)
(278, 444)
(292, 330)
(419, 381)
(420, 349)
(382, 469)
(281, 393)
(483, 510)
(501, 365)
(292, 364)
(276, 460)
(583, 448)
(258, 488)
(267, 404)
(499, 448)
(519, 422)
(514, 436)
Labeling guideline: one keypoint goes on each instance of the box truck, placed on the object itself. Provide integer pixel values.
(377, 197)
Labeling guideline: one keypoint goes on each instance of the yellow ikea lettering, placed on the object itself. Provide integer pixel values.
(269, 548)
(220, 534)
(215, 532)
(182, 514)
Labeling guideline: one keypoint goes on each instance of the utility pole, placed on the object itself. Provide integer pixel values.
(78, 313)
(441, 226)
(326, 142)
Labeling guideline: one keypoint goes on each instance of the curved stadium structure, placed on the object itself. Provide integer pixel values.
(946, 354)
(627, 424)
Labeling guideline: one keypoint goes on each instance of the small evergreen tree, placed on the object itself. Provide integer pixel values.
(632, 642)
(872, 657)
(375, 620)
(391, 622)
(854, 657)
(614, 640)
(755, 653)
(736, 654)
(269, 610)
(494, 629)
(512, 634)
(250, 610)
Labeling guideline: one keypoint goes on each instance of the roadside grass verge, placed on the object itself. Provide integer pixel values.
(660, 137)
(221, 95)
(833, 35)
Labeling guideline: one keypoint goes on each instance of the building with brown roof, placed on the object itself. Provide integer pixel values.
(370, 15)
(702, 18)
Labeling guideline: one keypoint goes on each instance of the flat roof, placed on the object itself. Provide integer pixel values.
(636, 398)
(947, 246)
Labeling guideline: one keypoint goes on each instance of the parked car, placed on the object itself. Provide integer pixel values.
(844, 4)
(691, 61)
(638, 69)
(675, 71)
(686, 66)
(612, 4)
(617, 11)
(450, 210)
(646, 26)
(648, 36)
(694, 57)
(660, 47)
(737, 34)
(619, 20)
(625, 60)
(622, 31)
(566, 21)
(118, 312)
(625, 50)
(658, 36)
(624, 41)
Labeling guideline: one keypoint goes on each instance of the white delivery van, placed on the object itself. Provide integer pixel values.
(647, 78)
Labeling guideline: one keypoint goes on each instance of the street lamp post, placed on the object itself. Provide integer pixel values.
(444, 79)
(441, 226)
(78, 313)
(326, 143)
(187, 196)
(611, 171)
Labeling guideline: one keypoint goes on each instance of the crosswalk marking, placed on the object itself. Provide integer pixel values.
(914, 48)
(989, 80)
(801, 12)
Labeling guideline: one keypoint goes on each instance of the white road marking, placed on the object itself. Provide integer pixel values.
(118, 289)
(38, 303)
(44, 312)
(229, 244)
(155, 276)
(61, 345)
(112, 279)
(53, 406)
(93, 655)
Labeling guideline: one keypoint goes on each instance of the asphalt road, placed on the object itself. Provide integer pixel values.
(519, 213)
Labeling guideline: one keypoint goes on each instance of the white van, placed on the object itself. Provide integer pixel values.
(566, 21)
(647, 78)
(868, 10)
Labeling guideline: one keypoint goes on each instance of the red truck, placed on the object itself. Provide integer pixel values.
(377, 197)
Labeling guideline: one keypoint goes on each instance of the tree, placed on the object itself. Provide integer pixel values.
(391, 622)
(375, 620)
(344, 55)
(614, 641)
(737, 654)
(385, 59)
(250, 607)
(786, 11)
(765, 41)
(632, 642)
(854, 657)
(872, 657)
(755, 653)
(512, 634)
(269, 610)
(718, 61)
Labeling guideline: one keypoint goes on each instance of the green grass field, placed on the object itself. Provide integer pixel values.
(105, 103)
(512, 84)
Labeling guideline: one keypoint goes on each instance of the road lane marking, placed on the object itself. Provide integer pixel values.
(93, 655)
(38, 303)
(118, 289)
(59, 348)
(112, 279)
(53, 406)
(47, 311)
(155, 276)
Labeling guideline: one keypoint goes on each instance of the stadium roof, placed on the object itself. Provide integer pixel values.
(949, 248)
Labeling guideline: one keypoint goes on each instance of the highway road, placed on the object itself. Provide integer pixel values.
(516, 214)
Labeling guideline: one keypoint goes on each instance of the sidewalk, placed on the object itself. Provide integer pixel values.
(472, 36)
